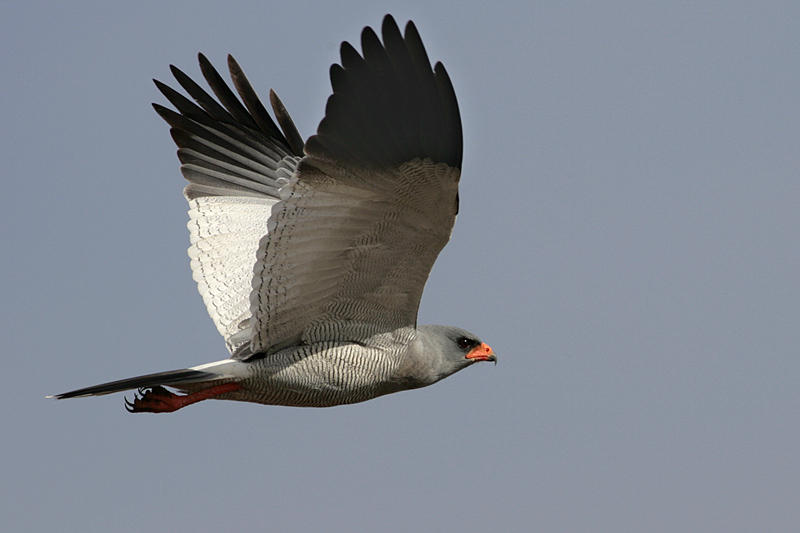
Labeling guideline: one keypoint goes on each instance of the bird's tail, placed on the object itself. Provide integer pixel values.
(174, 378)
(187, 379)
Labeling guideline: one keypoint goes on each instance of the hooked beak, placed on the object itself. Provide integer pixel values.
(482, 353)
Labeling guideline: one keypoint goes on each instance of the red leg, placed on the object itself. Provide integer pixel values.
(159, 400)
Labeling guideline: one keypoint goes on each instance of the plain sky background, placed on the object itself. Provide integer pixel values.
(627, 243)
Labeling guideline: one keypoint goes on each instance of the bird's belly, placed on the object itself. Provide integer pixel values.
(318, 376)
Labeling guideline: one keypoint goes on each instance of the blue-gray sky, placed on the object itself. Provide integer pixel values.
(627, 243)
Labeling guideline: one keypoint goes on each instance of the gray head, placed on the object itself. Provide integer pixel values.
(445, 350)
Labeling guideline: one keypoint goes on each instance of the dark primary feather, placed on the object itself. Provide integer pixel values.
(287, 124)
(254, 106)
(228, 99)
(228, 147)
(391, 85)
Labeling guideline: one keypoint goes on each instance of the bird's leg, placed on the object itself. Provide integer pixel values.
(159, 400)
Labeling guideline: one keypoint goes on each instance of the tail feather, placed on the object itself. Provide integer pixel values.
(169, 378)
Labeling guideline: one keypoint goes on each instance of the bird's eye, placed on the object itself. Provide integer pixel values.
(464, 343)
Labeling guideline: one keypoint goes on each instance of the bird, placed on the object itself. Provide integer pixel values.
(311, 257)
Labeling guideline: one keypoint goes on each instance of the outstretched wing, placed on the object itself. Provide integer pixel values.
(359, 226)
(336, 246)
(235, 159)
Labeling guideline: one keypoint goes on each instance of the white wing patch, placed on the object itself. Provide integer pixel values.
(225, 233)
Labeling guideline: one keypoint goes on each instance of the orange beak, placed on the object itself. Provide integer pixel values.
(482, 353)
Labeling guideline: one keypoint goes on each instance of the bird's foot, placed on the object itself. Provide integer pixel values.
(159, 400)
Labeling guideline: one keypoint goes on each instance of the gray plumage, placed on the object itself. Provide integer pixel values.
(311, 258)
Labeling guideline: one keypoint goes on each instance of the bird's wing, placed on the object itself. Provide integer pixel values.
(359, 226)
(235, 159)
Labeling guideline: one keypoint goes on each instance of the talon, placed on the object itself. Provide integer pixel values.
(159, 400)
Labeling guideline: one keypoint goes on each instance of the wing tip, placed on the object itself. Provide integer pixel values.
(405, 106)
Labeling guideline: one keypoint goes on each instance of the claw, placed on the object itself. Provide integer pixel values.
(130, 406)
(159, 400)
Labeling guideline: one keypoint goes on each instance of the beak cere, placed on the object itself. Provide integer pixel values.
(482, 353)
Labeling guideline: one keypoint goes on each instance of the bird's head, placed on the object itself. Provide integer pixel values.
(451, 349)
